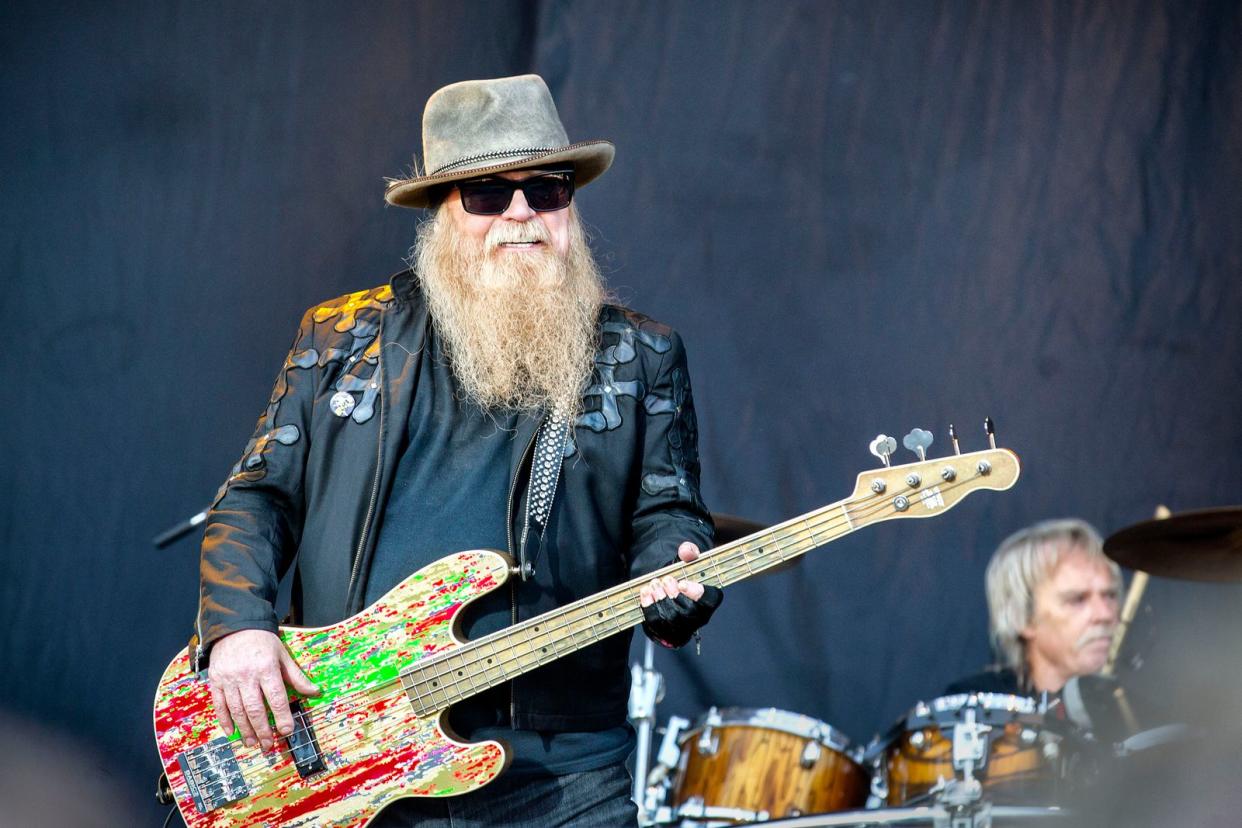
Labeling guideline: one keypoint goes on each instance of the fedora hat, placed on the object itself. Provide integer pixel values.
(480, 127)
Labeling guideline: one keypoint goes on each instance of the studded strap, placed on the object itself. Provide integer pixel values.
(545, 473)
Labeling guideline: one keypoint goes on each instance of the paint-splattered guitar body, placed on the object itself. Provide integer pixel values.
(358, 745)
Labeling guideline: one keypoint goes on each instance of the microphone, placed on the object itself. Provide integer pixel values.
(183, 528)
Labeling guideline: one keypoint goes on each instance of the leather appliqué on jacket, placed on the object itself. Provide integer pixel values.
(375, 299)
(606, 388)
(682, 439)
(359, 320)
(252, 465)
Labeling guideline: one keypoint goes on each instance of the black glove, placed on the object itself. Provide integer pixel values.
(674, 621)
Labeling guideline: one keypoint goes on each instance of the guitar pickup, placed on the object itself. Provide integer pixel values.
(303, 745)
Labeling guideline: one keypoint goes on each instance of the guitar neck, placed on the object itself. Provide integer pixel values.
(915, 490)
(486, 662)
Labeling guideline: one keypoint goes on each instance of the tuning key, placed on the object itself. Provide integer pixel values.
(883, 447)
(957, 449)
(990, 429)
(918, 441)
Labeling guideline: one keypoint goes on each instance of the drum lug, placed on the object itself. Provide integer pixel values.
(879, 784)
(811, 754)
(668, 753)
(970, 744)
(709, 742)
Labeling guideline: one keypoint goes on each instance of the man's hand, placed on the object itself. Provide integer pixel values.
(670, 587)
(673, 610)
(248, 673)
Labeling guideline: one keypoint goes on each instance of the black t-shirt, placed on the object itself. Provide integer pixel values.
(450, 493)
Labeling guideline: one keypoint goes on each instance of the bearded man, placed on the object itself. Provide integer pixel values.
(409, 422)
(1053, 605)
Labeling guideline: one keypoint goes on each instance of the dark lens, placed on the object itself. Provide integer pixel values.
(485, 198)
(547, 192)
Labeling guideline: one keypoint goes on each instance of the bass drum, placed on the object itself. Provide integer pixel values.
(1016, 758)
(741, 765)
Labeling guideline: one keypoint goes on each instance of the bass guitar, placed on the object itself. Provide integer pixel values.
(389, 674)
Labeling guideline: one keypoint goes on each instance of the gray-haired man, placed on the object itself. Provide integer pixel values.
(1053, 604)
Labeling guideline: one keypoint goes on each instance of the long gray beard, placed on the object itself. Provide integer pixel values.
(520, 330)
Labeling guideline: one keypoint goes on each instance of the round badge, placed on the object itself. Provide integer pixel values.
(342, 403)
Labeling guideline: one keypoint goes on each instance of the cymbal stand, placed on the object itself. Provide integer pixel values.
(1134, 598)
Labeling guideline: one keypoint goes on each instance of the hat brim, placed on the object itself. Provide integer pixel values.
(590, 159)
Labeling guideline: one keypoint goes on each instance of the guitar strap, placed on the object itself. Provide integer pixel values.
(545, 473)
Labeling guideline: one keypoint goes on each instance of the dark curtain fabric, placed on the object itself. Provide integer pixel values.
(863, 218)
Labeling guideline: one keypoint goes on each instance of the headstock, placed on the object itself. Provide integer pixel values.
(927, 487)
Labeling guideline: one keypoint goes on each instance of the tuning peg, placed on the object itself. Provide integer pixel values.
(957, 449)
(918, 441)
(990, 430)
(883, 447)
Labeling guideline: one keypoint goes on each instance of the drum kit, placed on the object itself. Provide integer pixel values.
(972, 760)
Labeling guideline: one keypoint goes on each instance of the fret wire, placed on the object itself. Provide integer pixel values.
(413, 685)
(500, 665)
(452, 674)
(809, 530)
(715, 564)
(746, 560)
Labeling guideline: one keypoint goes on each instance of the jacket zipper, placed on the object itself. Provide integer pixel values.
(379, 457)
(513, 582)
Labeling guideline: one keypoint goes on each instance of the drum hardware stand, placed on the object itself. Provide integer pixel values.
(976, 815)
(659, 782)
(1129, 609)
(961, 797)
(646, 690)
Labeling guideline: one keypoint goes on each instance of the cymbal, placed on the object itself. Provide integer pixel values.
(1203, 545)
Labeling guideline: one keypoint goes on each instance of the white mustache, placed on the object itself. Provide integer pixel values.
(1093, 633)
(510, 232)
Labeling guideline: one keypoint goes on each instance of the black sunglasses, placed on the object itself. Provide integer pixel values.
(491, 196)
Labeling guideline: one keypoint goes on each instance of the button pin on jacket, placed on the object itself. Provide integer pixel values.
(342, 403)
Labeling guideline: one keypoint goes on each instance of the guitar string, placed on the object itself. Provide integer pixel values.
(783, 533)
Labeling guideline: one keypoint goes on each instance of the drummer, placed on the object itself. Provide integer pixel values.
(1053, 605)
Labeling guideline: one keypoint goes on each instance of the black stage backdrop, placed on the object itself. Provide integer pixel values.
(863, 217)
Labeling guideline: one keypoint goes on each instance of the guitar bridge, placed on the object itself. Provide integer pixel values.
(303, 745)
(213, 774)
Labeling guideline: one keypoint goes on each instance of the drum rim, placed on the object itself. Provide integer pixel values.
(920, 815)
(924, 714)
(773, 718)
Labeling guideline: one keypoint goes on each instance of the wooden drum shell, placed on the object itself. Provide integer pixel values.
(761, 769)
(1016, 772)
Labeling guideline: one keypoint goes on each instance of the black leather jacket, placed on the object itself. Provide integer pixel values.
(312, 482)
